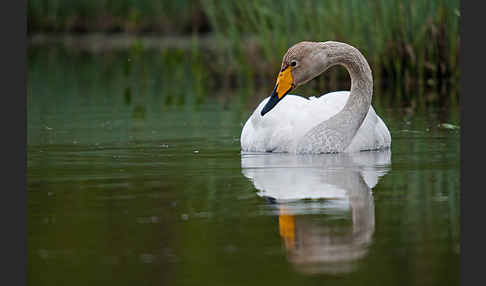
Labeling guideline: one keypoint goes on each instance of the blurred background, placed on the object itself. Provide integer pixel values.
(411, 45)
(134, 168)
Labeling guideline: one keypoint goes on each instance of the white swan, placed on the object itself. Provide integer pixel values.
(342, 121)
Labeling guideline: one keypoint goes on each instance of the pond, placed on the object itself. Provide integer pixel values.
(127, 185)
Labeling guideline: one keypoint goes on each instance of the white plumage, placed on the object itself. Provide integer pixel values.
(281, 129)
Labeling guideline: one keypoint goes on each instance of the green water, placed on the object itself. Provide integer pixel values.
(135, 177)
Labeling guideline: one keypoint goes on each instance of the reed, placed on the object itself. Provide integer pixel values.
(412, 41)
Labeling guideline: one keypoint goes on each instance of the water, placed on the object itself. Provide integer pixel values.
(127, 187)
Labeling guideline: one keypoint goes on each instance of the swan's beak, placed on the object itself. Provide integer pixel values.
(285, 83)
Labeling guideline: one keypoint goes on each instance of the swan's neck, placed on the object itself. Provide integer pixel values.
(336, 133)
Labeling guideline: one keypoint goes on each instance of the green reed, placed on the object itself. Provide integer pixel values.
(411, 41)
(410, 44)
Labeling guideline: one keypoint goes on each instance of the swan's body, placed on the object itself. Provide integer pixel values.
(336, 122)
(281, 129)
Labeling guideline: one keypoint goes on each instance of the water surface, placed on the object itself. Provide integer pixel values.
(135, 178)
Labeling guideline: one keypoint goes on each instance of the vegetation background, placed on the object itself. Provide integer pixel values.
(411, 45)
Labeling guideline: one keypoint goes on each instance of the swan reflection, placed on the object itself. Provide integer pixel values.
(325, 206)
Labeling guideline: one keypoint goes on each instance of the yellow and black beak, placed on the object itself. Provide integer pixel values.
(285, 83)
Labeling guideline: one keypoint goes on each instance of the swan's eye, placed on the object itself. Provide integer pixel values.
(293, 63)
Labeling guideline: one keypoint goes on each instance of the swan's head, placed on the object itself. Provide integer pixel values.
(301, 63)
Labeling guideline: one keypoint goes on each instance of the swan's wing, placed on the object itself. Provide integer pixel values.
(288, 121)
(327, 105)
(372, 135)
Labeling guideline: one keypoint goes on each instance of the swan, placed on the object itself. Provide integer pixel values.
(341, 121)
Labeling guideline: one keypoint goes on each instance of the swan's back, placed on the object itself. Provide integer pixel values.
(280, 129)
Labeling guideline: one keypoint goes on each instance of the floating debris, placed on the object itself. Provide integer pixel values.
(448, 126)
